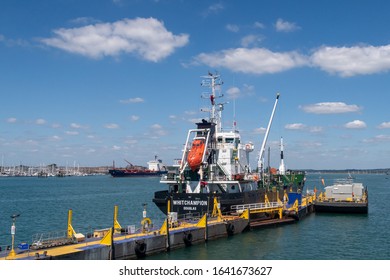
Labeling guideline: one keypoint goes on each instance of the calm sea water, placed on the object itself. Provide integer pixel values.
(44, 203)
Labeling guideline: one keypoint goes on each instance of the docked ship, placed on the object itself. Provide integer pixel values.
(155, 168)
(215, 163)
(343, 197)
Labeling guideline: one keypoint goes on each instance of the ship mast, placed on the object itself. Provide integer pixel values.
(213, 81)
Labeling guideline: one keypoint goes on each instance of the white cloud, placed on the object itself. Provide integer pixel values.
(83, 20)
(248, 89)
(13, 42)
(55, 138)
(258, 25)
(75, 125)
(40, 121)
(303, 127)
(356, 124)
(262, 99)
(316, 129)
(195, 120)
(31, 142)
(285, 26)
(190, 113)
(134, 118)
(146, 37)
(352, 61)
(233, 93)
(72, 132)
(311, 144)
(213, 9)
(111, 126)
(260, 130)
(251, 40)
(330, 108)
(378, 139)
(90, 151)
(236, 92)
(133, 100)
(117, 2)
(232, 27)
(295, 126)
(11, 120)
(131, 141)
(156, 126)
(254, 60)
(384, 125)
(343, 61)
(158, 130)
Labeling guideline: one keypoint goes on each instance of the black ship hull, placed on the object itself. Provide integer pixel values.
(341, 207)
(186, 203)
(201, 203)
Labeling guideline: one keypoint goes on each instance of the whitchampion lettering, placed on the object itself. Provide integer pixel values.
(190, 202)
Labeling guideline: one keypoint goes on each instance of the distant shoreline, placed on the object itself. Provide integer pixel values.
(103, 170)
(351, 171)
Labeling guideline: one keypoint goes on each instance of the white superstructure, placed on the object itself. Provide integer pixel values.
(156, 165)
(214, 159)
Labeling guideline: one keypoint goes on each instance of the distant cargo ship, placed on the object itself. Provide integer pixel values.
(155, 168)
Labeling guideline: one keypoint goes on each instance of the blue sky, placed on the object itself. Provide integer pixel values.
(95, 81)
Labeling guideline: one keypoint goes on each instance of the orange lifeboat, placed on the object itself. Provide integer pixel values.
(195, 155)
(273, 171)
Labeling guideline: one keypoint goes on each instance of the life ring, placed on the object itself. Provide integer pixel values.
(187, 238)
(146, 223)
(230, 229)
(140, 249)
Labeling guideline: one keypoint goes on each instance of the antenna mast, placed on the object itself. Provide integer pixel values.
(213, 81)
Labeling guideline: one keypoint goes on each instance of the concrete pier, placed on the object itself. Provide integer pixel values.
(139, 245)
(116, 243)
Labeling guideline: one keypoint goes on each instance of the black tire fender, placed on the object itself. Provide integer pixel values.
(140, 249)
(230, 229)
(187, 238)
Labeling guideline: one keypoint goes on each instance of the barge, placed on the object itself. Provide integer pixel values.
(343, 198)
(176, 232)
(130, 243)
